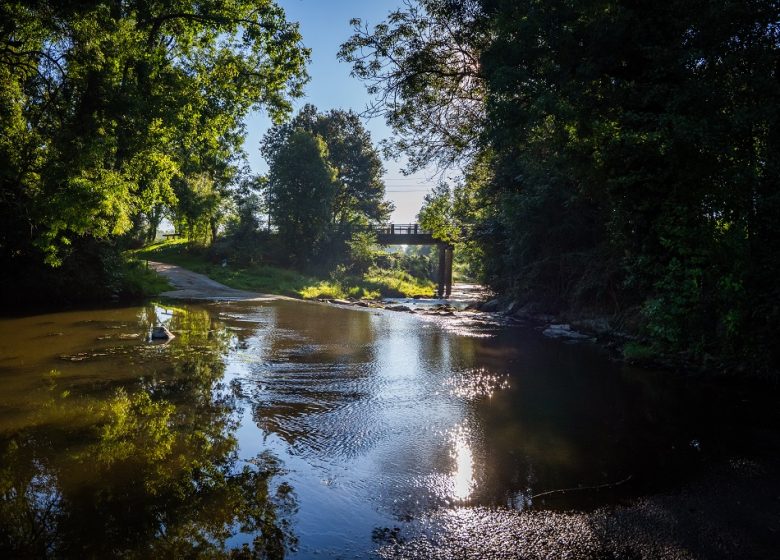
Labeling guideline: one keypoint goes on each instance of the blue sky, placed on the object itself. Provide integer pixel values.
(325, 26)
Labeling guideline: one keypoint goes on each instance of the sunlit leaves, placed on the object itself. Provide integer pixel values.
(350, 152)
(104, 104)
(437, 216)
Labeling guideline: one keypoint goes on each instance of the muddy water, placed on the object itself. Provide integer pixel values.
(287, 428)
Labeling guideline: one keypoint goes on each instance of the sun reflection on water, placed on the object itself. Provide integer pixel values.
(476, 383)
(463, 476)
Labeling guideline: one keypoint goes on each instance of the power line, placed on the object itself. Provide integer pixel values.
(407, 179)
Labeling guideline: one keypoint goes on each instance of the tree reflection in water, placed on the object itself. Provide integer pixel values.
(149, 470)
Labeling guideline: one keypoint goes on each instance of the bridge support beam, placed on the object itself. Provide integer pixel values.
(445, 270)
(448, 270)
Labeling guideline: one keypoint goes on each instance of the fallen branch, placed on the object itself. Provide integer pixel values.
(597, 487)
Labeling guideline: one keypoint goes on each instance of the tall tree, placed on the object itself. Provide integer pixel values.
(437, 214)
(105, 103)
(302, 187)
(622, 155)
(360, 192)
(644, 130)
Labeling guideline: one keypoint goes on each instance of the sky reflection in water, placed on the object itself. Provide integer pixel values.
(364, 419)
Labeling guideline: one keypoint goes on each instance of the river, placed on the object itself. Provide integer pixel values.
(285, 428)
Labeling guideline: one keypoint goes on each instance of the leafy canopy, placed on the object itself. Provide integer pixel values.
(104, 104)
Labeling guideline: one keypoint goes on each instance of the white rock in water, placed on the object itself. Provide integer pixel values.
(563, 331)
(161, 333)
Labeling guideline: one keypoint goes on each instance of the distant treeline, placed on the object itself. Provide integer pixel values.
(618, 158)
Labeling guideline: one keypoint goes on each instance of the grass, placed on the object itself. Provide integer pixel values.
(255, 278)
(274, 280)
(374, 284)
(398, 283)
(140, 281)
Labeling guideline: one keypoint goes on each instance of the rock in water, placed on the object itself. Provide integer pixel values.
(161, 333)
(564, 331)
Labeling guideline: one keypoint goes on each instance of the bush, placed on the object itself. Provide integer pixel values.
(137, 281)
(362, 251)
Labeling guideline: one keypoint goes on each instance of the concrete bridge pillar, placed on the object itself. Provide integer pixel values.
(445, 270)
(448, 270)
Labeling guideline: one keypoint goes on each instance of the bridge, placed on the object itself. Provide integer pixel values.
(414, 234)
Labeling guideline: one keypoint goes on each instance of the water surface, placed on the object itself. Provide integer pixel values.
(312, 430)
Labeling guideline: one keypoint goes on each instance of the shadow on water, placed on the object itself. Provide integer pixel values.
(130, 450)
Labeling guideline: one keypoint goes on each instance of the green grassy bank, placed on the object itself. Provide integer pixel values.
(374, 284)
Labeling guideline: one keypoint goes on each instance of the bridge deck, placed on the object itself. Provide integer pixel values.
(404, 234)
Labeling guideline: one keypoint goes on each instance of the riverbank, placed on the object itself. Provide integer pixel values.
(267, 279)
(190, 285)
(469, 301)
(622, 336)
(619, 337)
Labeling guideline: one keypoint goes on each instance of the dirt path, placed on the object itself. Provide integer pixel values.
(191, 285)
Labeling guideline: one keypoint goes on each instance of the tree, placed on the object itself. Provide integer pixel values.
(105, 104)
(200, 209)
(620, 153)
(302, 187)
(423, 66)
(437, 215)
(360, 193)
(641, 132)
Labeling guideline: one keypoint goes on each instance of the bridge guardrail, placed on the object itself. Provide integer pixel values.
(386, 229)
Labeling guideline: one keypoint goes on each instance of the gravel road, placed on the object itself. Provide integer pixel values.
(193, 286)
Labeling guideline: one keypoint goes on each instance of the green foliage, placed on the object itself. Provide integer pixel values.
(399, 283)
(200, 208)
(138, 281)
(437, 215)
(114, 114)
(419, 261)
(360, 191)
(363, 251)
(257, 277)
(374, 283)
(631, 128)
(302, 187)
(324, 177)
(625, 157)
(338, 289)
(422, 64)
(637, 352)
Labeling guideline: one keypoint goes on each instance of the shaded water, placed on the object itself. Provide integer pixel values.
(315, 430)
